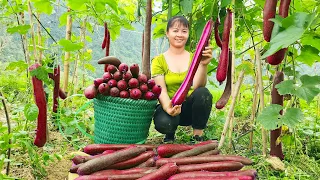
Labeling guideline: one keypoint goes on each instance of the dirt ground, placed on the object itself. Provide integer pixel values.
(56, 170)
(59, 169)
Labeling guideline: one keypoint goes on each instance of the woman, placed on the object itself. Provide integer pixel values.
(169, 70)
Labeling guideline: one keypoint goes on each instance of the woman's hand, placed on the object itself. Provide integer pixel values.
(206, 55)
(173, 110)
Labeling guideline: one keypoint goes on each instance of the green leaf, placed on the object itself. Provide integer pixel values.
(270, 116)
(63, 19)
(159, 30)
(286, 87)
(310, 80)
(186, 6)
(292, 117)
(43, 6)
(283, 40)
(287, 140)
(79, 5)
(70, 46)
(88, 38)
(289, 71)
(114, 32)
(42, 74)
(277, 20)
(308, 132)
(90, 67)
(307, 92)
(212, 66)
(58, 156)
(225, 3)
(21, 29)
(89, 27)
(113, 5)
(309, 55)
(99, 7)
(299, 19)
(199, 28)
(293, 29)
(45, 156)
(247, 66)
(19, 66)
(260, 2)
(31, 111)
(70, 130)
(127, 26)
(312, 40)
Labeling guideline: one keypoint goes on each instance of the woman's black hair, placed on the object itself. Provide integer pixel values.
(180, 19)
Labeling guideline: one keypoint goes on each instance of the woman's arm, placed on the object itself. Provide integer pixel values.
(164, 98)
(200, 78)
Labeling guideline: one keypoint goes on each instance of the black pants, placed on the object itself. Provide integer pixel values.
(195, 111)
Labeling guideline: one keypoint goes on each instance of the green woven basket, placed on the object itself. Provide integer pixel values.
(122, 121)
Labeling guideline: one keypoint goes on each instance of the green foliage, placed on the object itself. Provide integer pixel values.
(247, 67)
(292, 29)
(292, 117)
(311, 40)
(309, 55)
(31, 112)
(307, 90)
(21, 29)
(225, 3)
(67, 45)
(271, 119)
(41, 73)
(19, 66)
(43, 6)
(186, 6)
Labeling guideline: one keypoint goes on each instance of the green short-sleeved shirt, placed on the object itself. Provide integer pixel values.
(173, 80)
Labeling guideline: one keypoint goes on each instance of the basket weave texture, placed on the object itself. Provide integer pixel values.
(122, 121)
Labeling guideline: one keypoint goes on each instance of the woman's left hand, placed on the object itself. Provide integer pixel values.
(206, 55)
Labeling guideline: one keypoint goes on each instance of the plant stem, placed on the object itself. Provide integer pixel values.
(212, 7)
(9, 131)
(22, 37)
(256, 87)
(250, 47)
(253, 111)
(32, 33)
(233, 39)
(75, 76)
(170, 10)
(259, 70)
(233, 102)
(242, 135)
(39, 38)
(44, 28)
(67, 54)
(147, 40)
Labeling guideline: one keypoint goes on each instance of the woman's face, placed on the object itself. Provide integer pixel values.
(177, 35)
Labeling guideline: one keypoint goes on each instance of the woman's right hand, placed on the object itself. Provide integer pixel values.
(173, 110)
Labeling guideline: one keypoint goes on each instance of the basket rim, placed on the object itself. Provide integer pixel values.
(102, 97)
